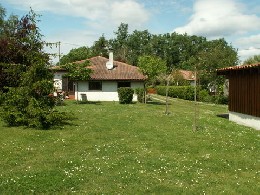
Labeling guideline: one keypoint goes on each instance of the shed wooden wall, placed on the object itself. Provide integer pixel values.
(244, 91)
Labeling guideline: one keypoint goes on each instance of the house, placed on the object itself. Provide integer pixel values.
(244, 94)
(188, 76)
(183, 77)
(106, 77)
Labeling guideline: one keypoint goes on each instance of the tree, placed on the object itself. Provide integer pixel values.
(25, 78)
(100, 47)
(252, 60)
(20, 45)
(119, 44)
(81, 53)
(77, 72)
(151, 66)
(138, 44)
(216, 54)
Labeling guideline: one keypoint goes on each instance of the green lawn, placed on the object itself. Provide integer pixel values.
(132, 149)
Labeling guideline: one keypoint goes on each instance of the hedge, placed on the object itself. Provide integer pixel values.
(182, 92)
(187, 93)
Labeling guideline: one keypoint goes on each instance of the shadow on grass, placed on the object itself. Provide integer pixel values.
(87, 102)
(225, 116)
(157, 103)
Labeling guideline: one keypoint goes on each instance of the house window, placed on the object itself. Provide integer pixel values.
(123, 84)
(95, 85)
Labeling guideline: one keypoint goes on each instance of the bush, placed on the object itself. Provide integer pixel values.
(220, 99)
(140, 94)
(187, 93)
(125, 95)
(182, 92)
(204, 96)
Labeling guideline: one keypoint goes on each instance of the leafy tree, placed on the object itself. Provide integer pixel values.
(25, 77)
(217, 54)
(119, 44)
(100, 47)
(138, 44)
(77, 72)
(20, 45)
(151, 66)
(74, 55)
(252, 60)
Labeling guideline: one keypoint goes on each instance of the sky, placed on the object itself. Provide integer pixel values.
(77, 23)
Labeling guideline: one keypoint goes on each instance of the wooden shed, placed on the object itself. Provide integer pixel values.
(244, 94)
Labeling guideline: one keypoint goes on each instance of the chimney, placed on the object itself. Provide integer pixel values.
(109, 64)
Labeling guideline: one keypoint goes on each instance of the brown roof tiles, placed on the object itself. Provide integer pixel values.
(242, 67)
(121, 71)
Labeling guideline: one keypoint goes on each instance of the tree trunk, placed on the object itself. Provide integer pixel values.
(195, 102)
(77, 92)
(167, 98)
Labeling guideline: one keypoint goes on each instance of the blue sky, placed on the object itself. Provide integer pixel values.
(80, 22)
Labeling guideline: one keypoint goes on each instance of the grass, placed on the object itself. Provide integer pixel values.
(132, 149)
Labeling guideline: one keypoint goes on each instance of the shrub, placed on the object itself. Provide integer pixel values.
(204, 96)
(125, 95)
(182, 92)
(187, 93)
(140, 94)
(220, 99)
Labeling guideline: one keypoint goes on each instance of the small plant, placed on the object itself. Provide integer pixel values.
(204, 96)
(125, 95)
(140, 94)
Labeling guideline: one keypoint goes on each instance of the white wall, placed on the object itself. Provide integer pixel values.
(243, 119)
(108, 93)
(58, 80)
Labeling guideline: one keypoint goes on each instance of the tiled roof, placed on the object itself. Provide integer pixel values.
(242, 67)
(187, 75)
(121, 71)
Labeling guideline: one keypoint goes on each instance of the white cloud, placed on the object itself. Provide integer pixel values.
(246, 42)
(97, 11)
(246, 53)
(128, 12)
(99, 16)
(215, 19)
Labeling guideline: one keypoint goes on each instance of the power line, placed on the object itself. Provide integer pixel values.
(250, 48)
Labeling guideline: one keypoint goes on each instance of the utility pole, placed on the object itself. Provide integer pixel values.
(56, 44)
(59, 51)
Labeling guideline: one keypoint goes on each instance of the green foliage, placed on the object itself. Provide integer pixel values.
(77, 71)
(152, 66)
(125, 95)
(26, 81)
(187, 93)
(182, 92)
(30, 104)
(252, 60)
(204, 96)
(217, 54)
(119, 44)
(81, 53)
(20, 47)
(138, 44)
(220, 99)
(140, 94)
(100, 47)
